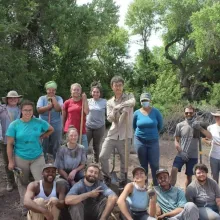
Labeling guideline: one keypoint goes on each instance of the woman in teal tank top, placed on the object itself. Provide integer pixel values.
(136, 202)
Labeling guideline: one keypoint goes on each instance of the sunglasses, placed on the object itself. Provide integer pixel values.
(189, 113)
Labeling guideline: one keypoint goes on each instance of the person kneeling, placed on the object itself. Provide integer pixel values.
(172, 201)
(45, 198)
(90, 198)
(134, 200)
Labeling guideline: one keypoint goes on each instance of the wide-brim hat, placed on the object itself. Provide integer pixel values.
(216, 113)
(11, 94)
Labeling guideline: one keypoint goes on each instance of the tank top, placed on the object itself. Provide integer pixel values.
(42, 194)
(138, 200)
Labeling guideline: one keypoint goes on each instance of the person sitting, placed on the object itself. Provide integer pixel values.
(205, 193)
(45, 198)
(90, 198)
(134, 200)
(71, 158)
(172, 203)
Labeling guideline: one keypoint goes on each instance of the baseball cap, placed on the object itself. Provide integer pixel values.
(161, 171)
(138, 168)
(145, 96)
(48, 165)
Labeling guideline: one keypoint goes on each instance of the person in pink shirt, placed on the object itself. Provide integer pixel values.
(72, 109)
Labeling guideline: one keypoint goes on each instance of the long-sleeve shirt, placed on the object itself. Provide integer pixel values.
(148, 126)
(118, 118)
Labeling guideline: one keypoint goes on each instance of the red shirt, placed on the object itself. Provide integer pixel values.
(73, 110)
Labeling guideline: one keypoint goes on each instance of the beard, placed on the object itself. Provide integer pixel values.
(90, 179)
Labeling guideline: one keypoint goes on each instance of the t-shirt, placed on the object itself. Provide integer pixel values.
(73, 111)
(215, 150)
(80, 188)
(189, 139)
(27, 137)
(96, 117)
(203, 195)
(68, 159)
(147, 126)
(170, 199)
(55, 117)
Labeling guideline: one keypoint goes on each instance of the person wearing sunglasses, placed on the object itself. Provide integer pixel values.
(186, 142)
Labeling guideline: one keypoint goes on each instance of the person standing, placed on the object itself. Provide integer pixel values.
(9, 112)
(187, 136)
(95, 121)
(214, 155)
(120, 114)
(205, 193)
(24, 148)
(72, 112)
(49, 108)
(147, 123)
(45, 198)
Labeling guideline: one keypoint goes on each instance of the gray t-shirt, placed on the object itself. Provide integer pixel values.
(80, 188)
(203, 195)
(69, 159)
(96, 117)
(189, 139)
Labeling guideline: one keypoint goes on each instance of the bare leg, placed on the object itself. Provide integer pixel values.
(188, 180)
(173, 176)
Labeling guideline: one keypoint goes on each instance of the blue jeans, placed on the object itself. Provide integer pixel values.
(148, 152)
(85, 142)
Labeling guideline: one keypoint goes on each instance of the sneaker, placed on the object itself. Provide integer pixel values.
(9, 187)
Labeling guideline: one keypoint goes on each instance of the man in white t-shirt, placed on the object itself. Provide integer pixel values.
(214, 129)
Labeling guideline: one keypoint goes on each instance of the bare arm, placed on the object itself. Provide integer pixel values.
(63, 173)
(43, 109)
(48, 132)
(122, 201)
(64, 115)
(10, 147)
(206, 133)
(177, 144)
(111, 201)
(75, 199)
(61, 189)
(171, 214)
(56, 105)
(152, 206)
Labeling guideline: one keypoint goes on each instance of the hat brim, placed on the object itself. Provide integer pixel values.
(4, 99)
(144, 100)
(215, 114)
(138, 168)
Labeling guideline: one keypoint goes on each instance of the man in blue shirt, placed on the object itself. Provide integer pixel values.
(49, 108)
(172, 201)
(90, 198)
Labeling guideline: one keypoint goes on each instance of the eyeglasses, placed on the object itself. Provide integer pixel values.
(27, 110)
(189, 113)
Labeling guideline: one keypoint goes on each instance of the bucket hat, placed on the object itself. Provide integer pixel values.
(11, 94)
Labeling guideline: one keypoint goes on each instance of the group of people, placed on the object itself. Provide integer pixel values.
(26, 142)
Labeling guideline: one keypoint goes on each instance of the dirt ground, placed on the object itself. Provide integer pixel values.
(9, 201)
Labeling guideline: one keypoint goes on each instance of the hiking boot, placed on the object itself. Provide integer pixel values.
(9, 187)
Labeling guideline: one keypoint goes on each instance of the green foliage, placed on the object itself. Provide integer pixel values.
(206, 30)
(213, 97)
(165, 97)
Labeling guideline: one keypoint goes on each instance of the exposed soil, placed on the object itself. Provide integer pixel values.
(9, 201)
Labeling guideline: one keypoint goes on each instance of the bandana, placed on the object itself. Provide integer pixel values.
(50, 84)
